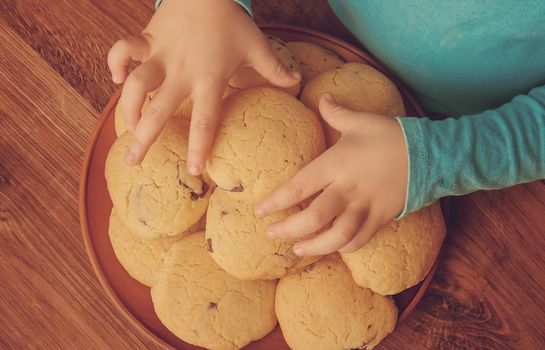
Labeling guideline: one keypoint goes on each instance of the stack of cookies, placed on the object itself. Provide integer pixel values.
(216, 280)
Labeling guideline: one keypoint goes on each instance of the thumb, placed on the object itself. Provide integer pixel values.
(338, 117)
(266, 63)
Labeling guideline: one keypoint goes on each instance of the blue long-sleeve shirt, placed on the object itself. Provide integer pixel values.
(481, 63)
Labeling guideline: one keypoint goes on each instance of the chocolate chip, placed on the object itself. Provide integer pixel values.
(209, 245)
(203, 193)
(308, 268)
(194, 196)
(238, 188)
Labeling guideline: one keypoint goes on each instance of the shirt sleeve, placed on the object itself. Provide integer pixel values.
(247, 4)
(494, 149)
(244, 3)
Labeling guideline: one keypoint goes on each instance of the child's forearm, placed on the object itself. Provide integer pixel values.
(490, 150)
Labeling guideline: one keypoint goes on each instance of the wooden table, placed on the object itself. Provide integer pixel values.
(488, 292)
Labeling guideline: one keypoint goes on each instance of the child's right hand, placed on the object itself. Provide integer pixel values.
(190, 48)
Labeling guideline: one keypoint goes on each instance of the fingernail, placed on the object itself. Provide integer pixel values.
(194, 169)
(130, 157)
(329, 97)
(295, 75)
(259, 212)
(298, 250)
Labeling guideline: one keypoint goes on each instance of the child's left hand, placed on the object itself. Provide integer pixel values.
(362, 179)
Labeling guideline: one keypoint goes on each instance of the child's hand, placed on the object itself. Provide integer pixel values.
(363, 179)
(190, 48)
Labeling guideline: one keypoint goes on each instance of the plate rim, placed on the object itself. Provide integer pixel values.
(90, 251)
(101, 122)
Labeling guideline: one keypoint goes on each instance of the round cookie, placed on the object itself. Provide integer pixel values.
(140, 258)
(265, 136)
(356, 86)
(401, 254)
(313, 59)
(158, 197)
(238, 243)
(322, 308)
(246, 77)
(184, 111)
(203, 305)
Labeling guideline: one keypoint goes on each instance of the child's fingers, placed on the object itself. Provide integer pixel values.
(204, 117)
(342, 231)
(338, 117)
(266, 63)
(368, 229)
(143, 79)
(134, 48)
(162, 106)
(318, 214)
(312, 178)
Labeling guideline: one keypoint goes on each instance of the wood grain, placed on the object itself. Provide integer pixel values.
(49, 297)
(488, 293)
(74, 37)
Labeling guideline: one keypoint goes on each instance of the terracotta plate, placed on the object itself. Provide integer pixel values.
(132, 298)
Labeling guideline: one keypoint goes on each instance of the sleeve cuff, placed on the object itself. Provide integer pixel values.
(419, 164)
(246, 4)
